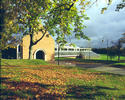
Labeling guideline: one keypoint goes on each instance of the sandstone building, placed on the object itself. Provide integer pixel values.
(44, 49)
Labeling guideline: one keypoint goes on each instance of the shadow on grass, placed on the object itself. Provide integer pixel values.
(89, 93)
(122, 97)
(106, 73)
(88, 65)
(96, 61)
(5, 64)
(36, 91)
(8, 65)
(25, 90)
(89, 60)
(118, 66)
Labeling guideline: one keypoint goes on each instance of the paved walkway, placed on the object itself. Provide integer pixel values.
(110, 69)
(96, 66)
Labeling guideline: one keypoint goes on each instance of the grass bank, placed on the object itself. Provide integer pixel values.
(22, 62)
(49, 82)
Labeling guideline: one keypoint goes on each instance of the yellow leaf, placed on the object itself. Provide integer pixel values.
(37, 95)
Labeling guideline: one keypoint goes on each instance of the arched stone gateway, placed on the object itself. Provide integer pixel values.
(39, 54)
(44, 49)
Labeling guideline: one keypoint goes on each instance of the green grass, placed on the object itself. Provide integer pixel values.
(104, 57)
(114, 60)
(22, 62)
(122, 64)
(53, 82)
(118, 65)
(101, 59)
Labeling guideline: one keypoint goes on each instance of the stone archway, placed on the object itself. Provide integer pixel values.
(39, 54)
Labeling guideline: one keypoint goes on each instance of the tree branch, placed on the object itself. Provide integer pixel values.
(62, 6)
(41, 37)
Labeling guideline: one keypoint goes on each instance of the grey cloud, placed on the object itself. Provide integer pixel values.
(108, 26)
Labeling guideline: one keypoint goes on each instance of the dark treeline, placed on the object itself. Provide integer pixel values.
(110, 51)
(9, 53)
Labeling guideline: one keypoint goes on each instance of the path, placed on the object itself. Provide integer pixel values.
(95, 66)
(110, 69)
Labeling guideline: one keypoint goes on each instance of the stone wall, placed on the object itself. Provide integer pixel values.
(47, 45)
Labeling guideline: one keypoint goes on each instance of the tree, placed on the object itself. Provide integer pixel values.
(117, 46)
(122, 39)
(57, 17)
(116, 49)
(8, 24)
(120, 5)
(112, 52)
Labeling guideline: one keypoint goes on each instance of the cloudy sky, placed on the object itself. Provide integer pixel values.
(108, 26)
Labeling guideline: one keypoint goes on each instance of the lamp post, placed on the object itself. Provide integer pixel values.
(107, 50)
(89, 49)
(58, 53)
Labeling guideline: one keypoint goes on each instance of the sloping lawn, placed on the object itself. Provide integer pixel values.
(52, 82)
(22, 62)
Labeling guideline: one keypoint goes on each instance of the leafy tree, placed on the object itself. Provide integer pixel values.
(116, 49)
(122, 39)
(120, 5)
(57, 17)
(112, 52)
(117, 46)
(8, 23)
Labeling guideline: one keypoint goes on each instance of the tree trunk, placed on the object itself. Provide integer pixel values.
(30, 52)
(119, 47)
(31, 47)
(119, 56)
(33, 43)
(2, 17)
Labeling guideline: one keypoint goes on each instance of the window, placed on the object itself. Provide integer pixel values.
(64, 49)
(82, 49)
(71, 49)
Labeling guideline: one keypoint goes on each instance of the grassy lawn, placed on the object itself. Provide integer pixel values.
(120, 64)
(22, 62)
(37, 79)
(104, 57)
(114, 60)
(101, 59)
